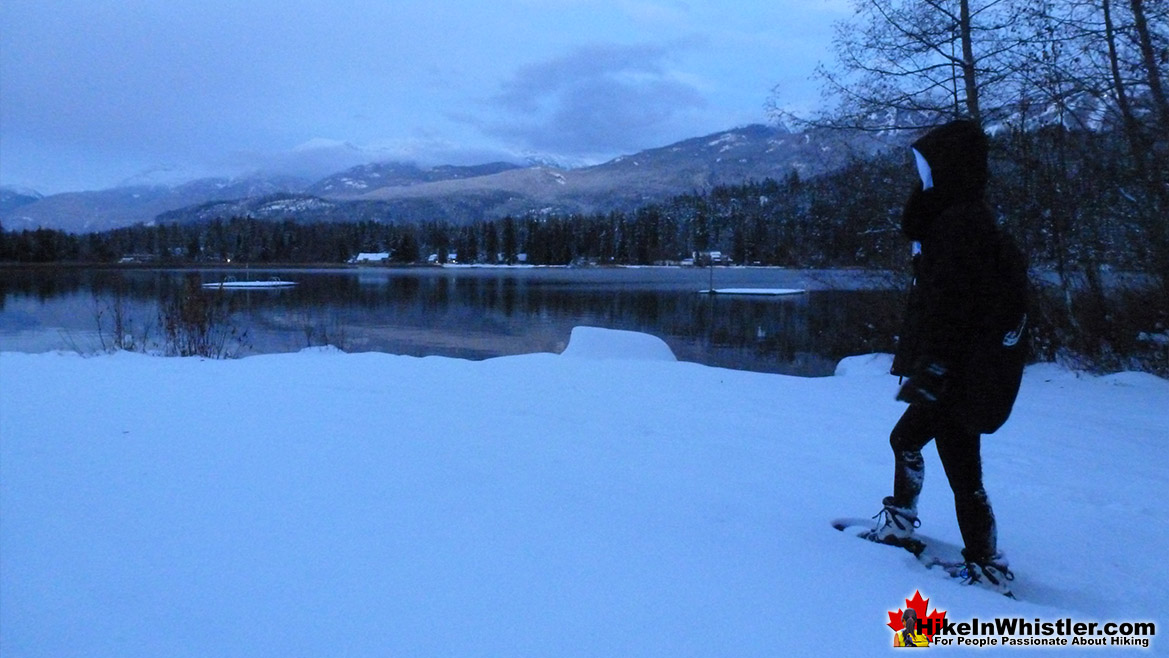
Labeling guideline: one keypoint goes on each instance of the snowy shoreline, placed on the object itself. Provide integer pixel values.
(606, 501)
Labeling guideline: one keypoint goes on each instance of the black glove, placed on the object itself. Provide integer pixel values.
(926, 386)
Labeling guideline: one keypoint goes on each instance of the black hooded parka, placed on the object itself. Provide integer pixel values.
(954, 285)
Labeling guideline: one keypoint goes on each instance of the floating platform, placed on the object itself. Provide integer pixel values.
(770, 292)
(250, 285)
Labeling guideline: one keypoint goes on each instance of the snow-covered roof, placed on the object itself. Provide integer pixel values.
(371, 256)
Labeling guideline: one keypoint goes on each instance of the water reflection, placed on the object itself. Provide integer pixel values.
(474, 313)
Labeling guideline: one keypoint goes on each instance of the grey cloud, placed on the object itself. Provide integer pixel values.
(596, 100)
(535, 80)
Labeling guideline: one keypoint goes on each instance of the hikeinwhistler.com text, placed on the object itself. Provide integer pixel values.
(1019, 632)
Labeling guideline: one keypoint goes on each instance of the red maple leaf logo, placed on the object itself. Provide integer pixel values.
(927, 624)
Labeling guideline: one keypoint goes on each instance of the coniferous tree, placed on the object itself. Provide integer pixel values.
(510, 242)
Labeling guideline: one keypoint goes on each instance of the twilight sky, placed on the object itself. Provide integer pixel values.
(94, 93)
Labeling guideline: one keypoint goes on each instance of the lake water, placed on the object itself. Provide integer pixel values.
(475, 313)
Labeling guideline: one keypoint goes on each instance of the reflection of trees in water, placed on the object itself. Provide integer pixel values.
(763, 333)
(804, 334)
(40, 284)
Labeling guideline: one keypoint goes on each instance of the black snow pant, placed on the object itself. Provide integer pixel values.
(959, 451)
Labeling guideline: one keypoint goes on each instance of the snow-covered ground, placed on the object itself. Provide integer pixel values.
(608, 501)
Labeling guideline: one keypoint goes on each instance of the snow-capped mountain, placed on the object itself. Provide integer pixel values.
(397, 191)
(366, 178)
(749, 153)
(83, 212)
(12, 198)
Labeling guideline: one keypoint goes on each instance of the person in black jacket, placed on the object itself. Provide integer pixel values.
(955, 240)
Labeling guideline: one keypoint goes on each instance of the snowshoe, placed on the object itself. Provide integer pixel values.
(994, 574)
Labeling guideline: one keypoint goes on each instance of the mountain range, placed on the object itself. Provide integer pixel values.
(405, 192)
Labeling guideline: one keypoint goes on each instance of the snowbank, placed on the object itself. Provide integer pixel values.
(599, 343)
(609, 501)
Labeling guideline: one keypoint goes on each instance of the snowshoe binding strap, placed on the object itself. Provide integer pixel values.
(994, 577)
(890, 514)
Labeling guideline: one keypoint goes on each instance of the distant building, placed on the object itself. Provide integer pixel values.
(370, 257)
(452, 258)
(708, 258)
(519, 258)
